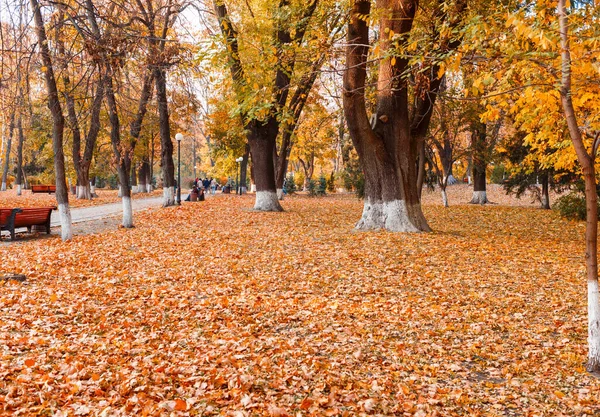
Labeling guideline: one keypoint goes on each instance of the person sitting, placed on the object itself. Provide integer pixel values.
(201, 195)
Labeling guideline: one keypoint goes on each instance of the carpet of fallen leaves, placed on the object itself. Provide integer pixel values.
(212, 309)
(10, 198)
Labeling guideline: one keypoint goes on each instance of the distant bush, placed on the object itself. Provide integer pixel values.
(571, 206)
(290, 184)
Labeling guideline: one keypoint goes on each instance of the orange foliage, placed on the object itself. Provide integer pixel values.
(212, 309)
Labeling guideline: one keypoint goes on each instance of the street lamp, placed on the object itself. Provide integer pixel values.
(179, 138)
(237, 183)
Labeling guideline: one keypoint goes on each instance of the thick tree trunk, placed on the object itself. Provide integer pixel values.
(261, 139)
(478, 144)
(591, 198)
(58, 124)
(11, 130)
(166, 144)
(387, 152)
(545, 200)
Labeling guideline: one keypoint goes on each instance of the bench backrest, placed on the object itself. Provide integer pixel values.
(33, 216)
(43, 188)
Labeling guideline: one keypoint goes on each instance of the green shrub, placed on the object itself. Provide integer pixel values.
(322, 185)
(571, 206)
(290, 184)
(312, 188)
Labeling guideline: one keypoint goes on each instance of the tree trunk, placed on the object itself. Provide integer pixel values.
(387, 151)
(21, 139)
(166, 144)
(244, 170)
(58, 124)
(591, 198)
(421, 169)
(121, 150)
(545, 200)
(142, 176)
(478, 144)
(261, 139)
(134, 183)
(11, 130)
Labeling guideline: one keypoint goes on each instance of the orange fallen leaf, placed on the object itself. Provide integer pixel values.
(29, 362)
(180, 405)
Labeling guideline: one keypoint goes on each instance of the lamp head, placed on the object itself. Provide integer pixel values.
(240, 159)
(179, 137)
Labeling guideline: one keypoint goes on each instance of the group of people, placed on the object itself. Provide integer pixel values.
(206, 184)
(200, 186)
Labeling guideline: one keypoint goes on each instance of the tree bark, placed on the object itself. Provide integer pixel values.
(122, 150)
(387, 152)
(11, 130)
(244, 170)
(166, 144)
(58, 124)
(545, 200)
(21, 139)
(591, 198)
(479, 146)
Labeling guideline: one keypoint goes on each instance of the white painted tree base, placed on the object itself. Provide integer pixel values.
(593, 326)
(149, 188)
(391, 215)
(120, 193)
(267, 201)
(66, 225)
(127, 212)
(280, 194)
(545, 202)
(83, 193)
(3, 187)
(253, 188)
(479, 197)
(18, 189)
(444, 198)
(168, 196)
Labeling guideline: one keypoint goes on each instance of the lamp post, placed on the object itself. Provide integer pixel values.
(179, 138)
(238, 174)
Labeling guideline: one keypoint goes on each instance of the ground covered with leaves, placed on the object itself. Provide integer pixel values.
(10, 198)
(212, 309)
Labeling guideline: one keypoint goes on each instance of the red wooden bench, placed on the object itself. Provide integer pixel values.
(43, 189)
(13, 218)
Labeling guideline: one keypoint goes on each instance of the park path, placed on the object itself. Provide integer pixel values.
(85, 214)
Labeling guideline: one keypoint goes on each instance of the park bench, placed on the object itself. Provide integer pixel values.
(13, 218)
(43, 189)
